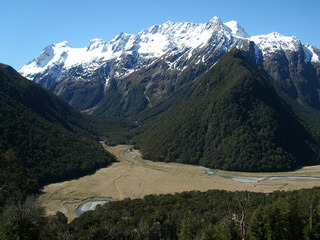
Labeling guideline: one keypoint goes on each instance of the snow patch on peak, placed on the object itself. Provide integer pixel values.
(215, 20)
(38, 64)
(159, 39)
(64, 44)
(168, 23)
(214, 23)
(96, 44)
(236, 29)
(310, 53)
(275, 36)
(147, 45)
(274, 42)
(120, 37)
(46, 55)
(128, 52)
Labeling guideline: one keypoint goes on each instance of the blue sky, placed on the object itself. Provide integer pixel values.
(28, 26)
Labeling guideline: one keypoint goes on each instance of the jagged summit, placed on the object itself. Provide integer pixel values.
(274, 41)
(96, 44)
(237, 30)
(64, 44)
(312, 53)
(150, 43)
(214, 22)
(82, 76)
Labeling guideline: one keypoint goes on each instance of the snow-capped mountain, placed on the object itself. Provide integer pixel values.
(155, 60)
(145, 47)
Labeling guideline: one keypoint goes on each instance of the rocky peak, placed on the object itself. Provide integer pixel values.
(236, 29)
(175, 46)
(64, 44)
(96, 44)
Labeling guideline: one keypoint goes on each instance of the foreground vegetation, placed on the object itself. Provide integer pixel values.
(189, 215)
(209, 215)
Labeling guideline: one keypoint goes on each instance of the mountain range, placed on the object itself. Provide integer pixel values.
(207, 94)
(132, 73)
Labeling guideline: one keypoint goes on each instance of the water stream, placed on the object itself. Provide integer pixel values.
(91, 205)
(237, 178)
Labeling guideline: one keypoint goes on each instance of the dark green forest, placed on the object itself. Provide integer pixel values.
(44, 140)
(232, 119)
(189, 215)
(209, 215)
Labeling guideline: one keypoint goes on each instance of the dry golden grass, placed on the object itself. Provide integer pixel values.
(132, 179)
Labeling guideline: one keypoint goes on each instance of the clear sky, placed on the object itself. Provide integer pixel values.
(28, 26)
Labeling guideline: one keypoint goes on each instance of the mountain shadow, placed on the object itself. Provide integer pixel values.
(232, 119)
(42, 137)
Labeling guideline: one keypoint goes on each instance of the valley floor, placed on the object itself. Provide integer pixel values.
(130, 178)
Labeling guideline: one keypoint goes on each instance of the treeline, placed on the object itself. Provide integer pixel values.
(189, 215)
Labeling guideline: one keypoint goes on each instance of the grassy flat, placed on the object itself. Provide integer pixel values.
(132, 179)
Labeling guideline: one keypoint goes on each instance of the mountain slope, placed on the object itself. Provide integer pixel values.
(232, 119)
(82, 76)
(132, 73)
(42, 139)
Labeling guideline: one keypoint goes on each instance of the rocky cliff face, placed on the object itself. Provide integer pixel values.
(133, 72)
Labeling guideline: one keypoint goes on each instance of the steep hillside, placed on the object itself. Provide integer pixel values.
(232, 119)
(42, 139)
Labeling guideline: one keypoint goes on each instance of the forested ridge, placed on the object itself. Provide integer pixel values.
(43, 140)
(232, 119)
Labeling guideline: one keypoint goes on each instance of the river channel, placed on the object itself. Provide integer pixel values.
(246, 179)
(91, 205)
(133, 177)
